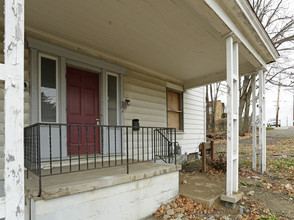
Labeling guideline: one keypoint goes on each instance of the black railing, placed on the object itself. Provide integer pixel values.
(52, 149)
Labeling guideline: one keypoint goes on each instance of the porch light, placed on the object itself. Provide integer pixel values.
(125, 104)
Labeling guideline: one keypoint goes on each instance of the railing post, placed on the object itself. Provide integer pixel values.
(127, 134)
(69, 146)
(50, 148)
(60, 148)
(153, 147)
(39, 159)
(212, 150)
(204, 157)
(175, 145)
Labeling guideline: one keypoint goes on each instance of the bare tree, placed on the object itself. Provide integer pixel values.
(212, 94)
(278, 21)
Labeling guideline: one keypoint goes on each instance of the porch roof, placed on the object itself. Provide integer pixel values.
(183, 40)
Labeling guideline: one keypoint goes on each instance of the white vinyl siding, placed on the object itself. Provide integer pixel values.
(147, 97)
(194, 120)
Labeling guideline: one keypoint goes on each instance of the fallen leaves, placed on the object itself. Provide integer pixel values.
(182, 206)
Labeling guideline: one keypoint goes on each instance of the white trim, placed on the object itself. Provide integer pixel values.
(257, 26)
(254, 161)
(80, 65)
(40, 55)
(215, 6)
(72, 55)
(174, 86)
(262, 122)
(232, 66)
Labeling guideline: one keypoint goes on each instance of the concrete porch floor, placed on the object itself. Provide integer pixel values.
(71, 183)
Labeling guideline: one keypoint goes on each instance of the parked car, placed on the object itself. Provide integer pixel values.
(272, 123)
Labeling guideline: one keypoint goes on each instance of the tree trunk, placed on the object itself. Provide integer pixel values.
(246, 122)
(213, 104)
(243, 100)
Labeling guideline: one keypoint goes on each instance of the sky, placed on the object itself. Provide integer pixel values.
(286, 97)
(286, 105)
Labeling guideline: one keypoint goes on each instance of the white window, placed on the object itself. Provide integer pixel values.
(112, 97)
(48, 92)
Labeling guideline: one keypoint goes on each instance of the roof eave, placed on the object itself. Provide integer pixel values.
(248, 11)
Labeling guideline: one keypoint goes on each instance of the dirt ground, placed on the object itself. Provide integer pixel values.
(267, 196)
(258, 201)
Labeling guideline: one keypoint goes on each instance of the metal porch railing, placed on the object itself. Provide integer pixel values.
(53, 149)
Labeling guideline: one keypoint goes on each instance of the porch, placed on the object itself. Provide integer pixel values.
(56, 149)
(143, 51)
(103, 193)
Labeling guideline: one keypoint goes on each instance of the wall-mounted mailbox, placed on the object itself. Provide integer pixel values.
(136, 125)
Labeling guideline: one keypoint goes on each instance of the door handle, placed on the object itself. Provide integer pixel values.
(97, 121)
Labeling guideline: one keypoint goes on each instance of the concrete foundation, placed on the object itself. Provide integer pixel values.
(121, 196)
(233, 199)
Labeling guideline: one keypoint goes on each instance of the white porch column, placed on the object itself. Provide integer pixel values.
(14, 106)
(262, 122)
(254, 98)
(232, 115)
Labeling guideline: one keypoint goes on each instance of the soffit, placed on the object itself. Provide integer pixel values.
(169, 37)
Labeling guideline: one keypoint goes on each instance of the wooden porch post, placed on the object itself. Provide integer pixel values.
(254, 98)
(232, 116)
(262, 123)
(12, 72)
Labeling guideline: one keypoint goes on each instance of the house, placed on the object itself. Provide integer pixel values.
(219, 110)
(98, 94)
(219, 115)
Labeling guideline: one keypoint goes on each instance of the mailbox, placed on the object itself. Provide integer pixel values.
(136, 125)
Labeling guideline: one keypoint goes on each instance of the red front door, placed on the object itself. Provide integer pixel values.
(82, 109)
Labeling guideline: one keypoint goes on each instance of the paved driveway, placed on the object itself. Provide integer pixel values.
(278, 134)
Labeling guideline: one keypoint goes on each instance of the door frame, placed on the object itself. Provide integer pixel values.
(67, 57)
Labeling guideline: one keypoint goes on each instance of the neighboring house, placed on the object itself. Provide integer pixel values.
(115, 84)
(219, 118)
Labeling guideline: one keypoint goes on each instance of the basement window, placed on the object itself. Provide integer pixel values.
(175, 109)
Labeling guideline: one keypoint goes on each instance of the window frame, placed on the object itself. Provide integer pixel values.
(40, 55)
(108, 73)
(181, 95)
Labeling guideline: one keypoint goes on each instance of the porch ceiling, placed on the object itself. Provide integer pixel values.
(169, 37)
